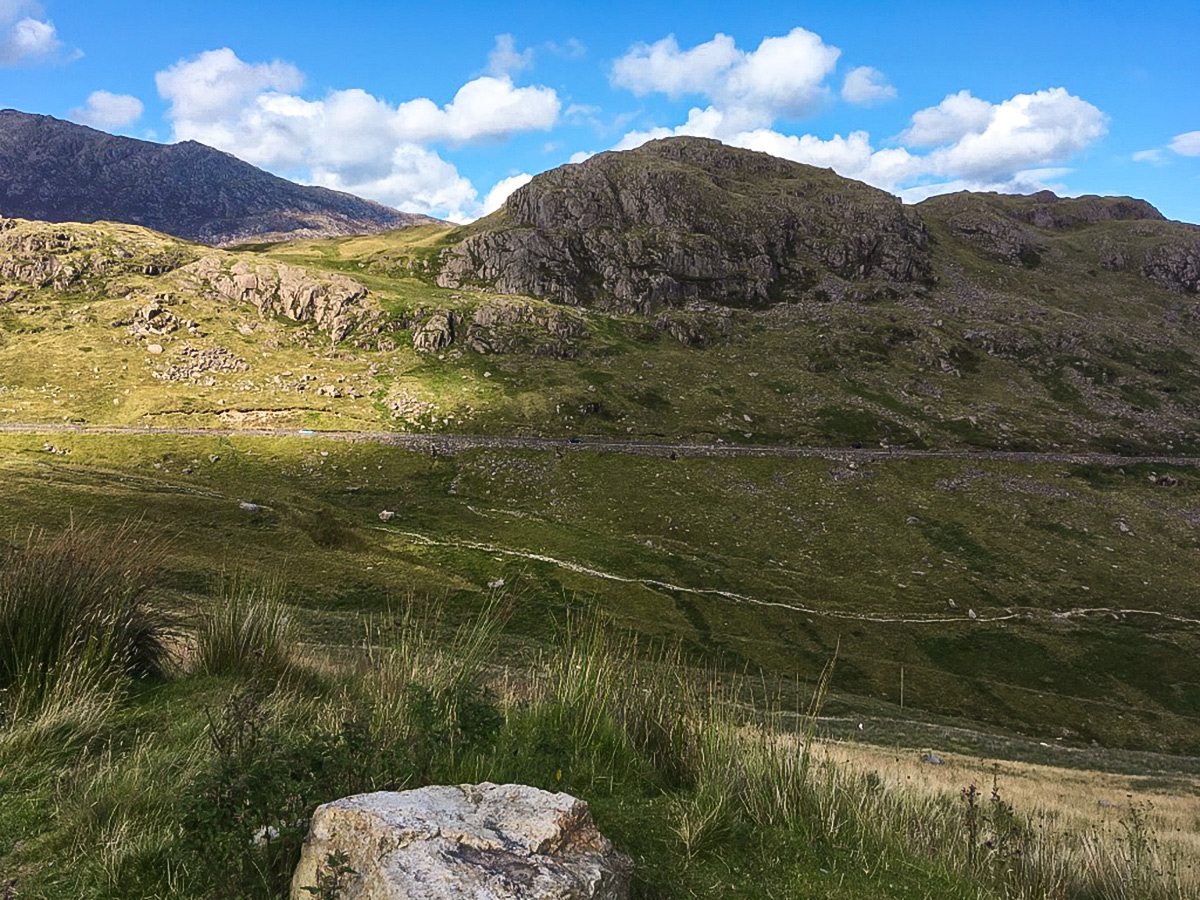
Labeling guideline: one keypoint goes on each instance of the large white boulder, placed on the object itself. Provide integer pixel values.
(482, 842)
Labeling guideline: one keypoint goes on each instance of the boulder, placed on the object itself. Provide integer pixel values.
(435, 333)
(486, 841)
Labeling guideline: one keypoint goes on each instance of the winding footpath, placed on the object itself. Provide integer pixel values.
(453, 443)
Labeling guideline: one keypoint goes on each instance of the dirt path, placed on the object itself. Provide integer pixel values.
(454, 443)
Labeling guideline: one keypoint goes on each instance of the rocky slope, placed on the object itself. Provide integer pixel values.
(689, 219)
(61, 172)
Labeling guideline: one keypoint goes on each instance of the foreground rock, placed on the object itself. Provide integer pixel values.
(487, 841)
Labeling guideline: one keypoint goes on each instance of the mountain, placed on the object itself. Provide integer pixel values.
(690, 219)
(57, 171)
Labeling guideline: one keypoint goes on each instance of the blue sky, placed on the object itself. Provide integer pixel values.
(443, 109)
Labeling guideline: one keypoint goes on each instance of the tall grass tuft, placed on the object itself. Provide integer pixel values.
(247, 629)
(423, 681)
(75, 616)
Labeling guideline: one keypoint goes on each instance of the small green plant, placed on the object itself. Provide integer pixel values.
(331, 876)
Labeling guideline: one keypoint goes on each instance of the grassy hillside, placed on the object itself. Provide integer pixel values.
(198, 781)
(1054, 601)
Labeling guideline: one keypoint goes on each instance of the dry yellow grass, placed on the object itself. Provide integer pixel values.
(1098, 810)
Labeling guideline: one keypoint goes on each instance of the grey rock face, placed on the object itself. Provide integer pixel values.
(687, 219)
(1045, 209)
(1175, 265)
(486, 842)
(435, 332)
(335, 303)
(515, 326)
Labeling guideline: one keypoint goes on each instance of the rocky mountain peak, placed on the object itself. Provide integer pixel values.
(58, 171)
(690, 219)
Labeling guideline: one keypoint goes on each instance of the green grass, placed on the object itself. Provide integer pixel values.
(246, 628)
(811, 554)
(690, 771)
(1045, 358)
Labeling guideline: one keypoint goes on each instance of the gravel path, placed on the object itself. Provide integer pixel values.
(453, 443)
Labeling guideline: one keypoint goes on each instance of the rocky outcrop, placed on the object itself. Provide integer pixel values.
(154, 319)
(1045, 209)
(687, 219)
(434, 333)
(516, 326)
(1175, 265)
(996, 224)
(335, 303)
(63, 258)
(502, 325)
(499, 842)
(62, 172)
(998, 235)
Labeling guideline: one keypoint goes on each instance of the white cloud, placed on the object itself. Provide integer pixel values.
(866, 86)
(1016, 145)
(783, 78)
(484, 108)
(414, 179)
(107, 111)
(958, 115)
(25, 35)
(1154, 157)
(1025, 131)
(580, 156)
(1186, 144)
(500, 192)
(211, 86)
(505, 59)
(349, 139)
(663, 68)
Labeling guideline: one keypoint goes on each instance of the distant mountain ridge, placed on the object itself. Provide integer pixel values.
(58, 171)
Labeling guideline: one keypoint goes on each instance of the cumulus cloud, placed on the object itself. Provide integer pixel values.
(784, 77)
(500, 192)
(506, 59)
(107, 111)
(1186, 144)
(413, 179)
(1025, 131)
(662, 67)
(208, 87)
(955, 117)
(1017, 145)
(25, 34)
(348, 139)
(866, 86)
